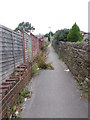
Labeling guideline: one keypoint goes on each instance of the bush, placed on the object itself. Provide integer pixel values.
(61, 35)
(74, 34)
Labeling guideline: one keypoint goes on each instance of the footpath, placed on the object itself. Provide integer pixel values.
(55, 94)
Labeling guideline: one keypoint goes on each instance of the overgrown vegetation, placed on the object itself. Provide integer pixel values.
(24, 93)
(35, 69)
(41, 61)
(44, 46)
(8, 112)
(41, 64)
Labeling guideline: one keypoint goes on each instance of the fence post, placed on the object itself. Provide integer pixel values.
(23, 43)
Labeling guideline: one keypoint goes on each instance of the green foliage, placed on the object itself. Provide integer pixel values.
(85, 88)
(41, 61)
(49, 65)
(74, 34)
(83, 85)
(18, 115)
(8, 112)
(51, 33)
(44, 46)
(20, 99)
(14, 108)
(60, 35)
(24, 93)
(34, 69)
(26, 25)
(43, 65)
(59, 56)
(48, 35)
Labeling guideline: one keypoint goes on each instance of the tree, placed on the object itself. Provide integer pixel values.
(51, 33)
(48, 35)
(61, 35)
(26, 25)
(74, 34)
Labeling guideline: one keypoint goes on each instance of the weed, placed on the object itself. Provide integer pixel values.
(44, 47)
(59, 55)
(49, 65)
(22, 94)
(41, 61)
(84, 88)
(8, 112)
(14, 108)
(18, 115)
(46, 44)
(34, 69)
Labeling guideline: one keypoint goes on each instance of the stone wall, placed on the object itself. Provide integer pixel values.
(75, 55)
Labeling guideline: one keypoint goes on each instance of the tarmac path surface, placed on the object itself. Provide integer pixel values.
(55, 94)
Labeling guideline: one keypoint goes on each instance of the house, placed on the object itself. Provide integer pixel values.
(85, 36)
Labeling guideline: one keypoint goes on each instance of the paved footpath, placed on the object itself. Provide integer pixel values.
(55, 94)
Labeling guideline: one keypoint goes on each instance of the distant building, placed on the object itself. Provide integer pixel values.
(85, 36)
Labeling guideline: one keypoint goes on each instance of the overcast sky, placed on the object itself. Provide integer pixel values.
(41, 14)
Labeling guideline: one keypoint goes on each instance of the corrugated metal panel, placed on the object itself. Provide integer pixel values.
(11, 51)
(0, 54)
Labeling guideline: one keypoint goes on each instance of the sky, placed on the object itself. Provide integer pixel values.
(43, 14)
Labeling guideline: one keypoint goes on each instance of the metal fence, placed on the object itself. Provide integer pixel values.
(15, 48)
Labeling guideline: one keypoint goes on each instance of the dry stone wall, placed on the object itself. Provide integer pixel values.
(75, 55)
